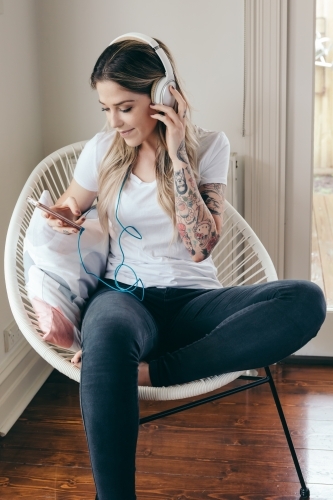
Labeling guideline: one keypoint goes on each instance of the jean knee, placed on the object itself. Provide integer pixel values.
(115, 326)
(311, 305)
(110, 331)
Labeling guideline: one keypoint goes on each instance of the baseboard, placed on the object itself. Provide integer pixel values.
(307, 360)
(21, 376)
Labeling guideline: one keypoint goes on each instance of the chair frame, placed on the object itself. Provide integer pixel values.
(239, 256)
(256, 381)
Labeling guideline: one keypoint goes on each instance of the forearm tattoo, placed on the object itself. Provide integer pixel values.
(213, 196)
(194, 209)
(180, 181)
(181, 152)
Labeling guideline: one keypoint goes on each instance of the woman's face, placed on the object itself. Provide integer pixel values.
(128, 111)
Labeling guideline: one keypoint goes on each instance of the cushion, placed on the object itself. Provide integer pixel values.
(57, 285)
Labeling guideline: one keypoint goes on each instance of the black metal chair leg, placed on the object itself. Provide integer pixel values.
(304, 491)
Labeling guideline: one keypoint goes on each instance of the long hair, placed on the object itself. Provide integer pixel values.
(135, 66)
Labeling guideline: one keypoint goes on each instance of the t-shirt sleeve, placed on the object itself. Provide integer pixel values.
(215, 165)
(86, 170)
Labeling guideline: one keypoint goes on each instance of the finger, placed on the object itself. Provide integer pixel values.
(76, 362)
(166, 109)
(71, 203)
(57, 223)
(182, 105)
(81, 220)
(177, 95)
(65, 230)
(76, 357)
(64, 224)
(52, 222)
(165, 119)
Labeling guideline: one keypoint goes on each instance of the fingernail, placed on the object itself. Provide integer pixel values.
(78, 212)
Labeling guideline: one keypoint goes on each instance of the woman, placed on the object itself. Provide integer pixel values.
(162, 179)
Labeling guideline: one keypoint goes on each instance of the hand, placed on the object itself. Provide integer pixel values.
(175, 122)
(68, 209)
(76, 359)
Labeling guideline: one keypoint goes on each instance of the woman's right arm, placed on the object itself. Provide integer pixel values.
(77, 199)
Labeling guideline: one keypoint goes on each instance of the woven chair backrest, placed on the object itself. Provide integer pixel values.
(239, 256)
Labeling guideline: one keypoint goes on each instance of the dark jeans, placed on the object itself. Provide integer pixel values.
(185, 335)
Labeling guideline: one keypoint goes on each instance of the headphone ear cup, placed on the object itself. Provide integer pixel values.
(161, 93)
(154, 97)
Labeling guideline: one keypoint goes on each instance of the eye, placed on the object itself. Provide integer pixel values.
(105, 109)
(126, 110)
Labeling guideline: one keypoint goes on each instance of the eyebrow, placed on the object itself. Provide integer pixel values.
(118, 104)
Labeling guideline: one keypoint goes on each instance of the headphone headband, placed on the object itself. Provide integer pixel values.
(160, 91)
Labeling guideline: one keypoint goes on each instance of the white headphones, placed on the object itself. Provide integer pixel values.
(160, 93)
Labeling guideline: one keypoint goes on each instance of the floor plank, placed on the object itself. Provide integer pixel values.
(231, 448)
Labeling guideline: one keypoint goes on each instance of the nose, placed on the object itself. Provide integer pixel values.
(115, 119)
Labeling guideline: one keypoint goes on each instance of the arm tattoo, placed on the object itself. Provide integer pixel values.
(180, 181)
(181, 152)
(185, 237)
(213, 196)
(195, 207)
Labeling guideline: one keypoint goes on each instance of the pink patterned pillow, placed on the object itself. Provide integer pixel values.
(56, 327)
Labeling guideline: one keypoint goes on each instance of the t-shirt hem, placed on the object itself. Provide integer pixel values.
(210, 286)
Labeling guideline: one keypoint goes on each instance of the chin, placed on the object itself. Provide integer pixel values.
(132, 142)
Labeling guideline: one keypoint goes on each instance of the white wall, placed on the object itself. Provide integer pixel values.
(20, 118)
(206, 39)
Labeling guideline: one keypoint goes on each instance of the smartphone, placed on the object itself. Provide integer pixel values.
(54, 213)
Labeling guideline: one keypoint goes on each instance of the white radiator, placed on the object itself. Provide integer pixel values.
(235, 184)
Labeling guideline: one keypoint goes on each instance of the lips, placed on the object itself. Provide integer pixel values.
(125, 132)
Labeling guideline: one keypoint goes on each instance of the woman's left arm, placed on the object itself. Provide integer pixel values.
(199, 211)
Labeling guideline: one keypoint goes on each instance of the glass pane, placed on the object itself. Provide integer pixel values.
(322, 216)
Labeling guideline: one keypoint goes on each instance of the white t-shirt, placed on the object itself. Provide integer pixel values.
(153, 258)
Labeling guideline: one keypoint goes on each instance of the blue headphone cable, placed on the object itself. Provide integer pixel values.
(125, 229)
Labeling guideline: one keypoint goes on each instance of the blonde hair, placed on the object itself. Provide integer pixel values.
(135, 66)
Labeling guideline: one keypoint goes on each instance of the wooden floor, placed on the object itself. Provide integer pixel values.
(229, 449)
(322, 244)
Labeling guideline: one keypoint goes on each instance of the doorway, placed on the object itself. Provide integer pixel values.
(322, 213)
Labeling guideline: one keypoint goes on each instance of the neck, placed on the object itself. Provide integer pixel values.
(149, 146)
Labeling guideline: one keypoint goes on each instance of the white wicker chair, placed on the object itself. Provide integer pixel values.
(239, 256)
